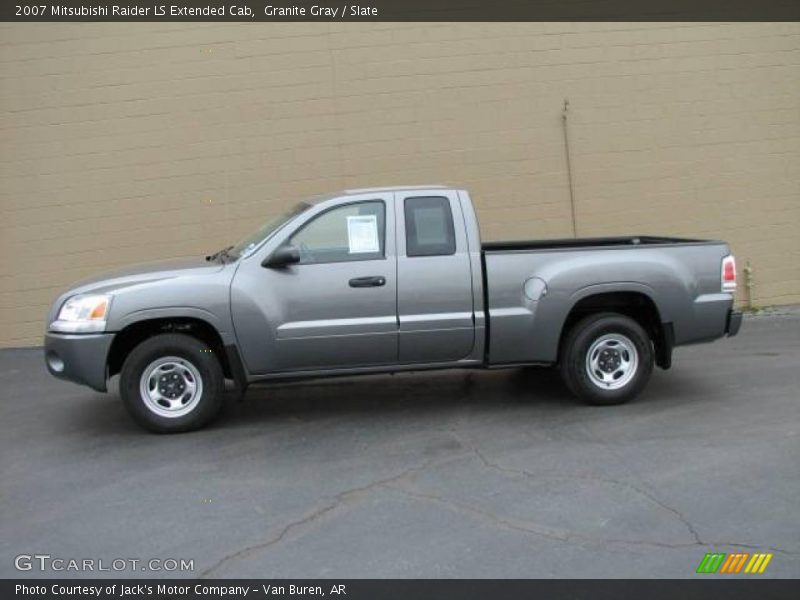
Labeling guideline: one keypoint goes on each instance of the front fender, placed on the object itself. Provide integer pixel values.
(219, 323)
(203, 296)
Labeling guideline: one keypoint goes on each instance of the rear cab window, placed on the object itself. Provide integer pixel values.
(429, 226)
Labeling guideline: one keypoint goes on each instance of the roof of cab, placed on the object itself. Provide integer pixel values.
(395, 188)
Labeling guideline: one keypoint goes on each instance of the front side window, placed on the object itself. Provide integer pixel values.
(429, 227)
(346, 233)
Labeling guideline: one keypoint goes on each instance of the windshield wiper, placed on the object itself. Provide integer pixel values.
(221, 254)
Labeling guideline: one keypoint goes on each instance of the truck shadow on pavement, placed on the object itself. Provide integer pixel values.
(425, 391)
(439, 394)
(370, 396)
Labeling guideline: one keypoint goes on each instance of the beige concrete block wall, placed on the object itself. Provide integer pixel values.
(132, 142)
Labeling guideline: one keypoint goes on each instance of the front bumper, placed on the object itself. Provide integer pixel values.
(733, 323)
(80, 358)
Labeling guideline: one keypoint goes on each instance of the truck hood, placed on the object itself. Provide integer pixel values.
(144, 273)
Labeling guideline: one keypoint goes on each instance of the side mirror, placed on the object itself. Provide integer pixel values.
(282, 257)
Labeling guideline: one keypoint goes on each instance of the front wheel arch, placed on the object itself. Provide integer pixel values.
(134, 334)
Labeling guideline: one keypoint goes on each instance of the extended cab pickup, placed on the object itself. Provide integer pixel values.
(384, 280)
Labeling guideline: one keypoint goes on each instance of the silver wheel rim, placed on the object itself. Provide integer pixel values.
(611, 361)
(171, 387)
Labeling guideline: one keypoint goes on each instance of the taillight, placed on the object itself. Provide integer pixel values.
(729, 274)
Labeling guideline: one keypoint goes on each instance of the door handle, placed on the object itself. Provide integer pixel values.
(361, 282)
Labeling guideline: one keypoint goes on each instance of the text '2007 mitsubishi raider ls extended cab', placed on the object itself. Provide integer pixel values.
(385, 280)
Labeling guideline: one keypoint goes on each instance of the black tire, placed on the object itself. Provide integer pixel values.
(617, 330)
(196, 359)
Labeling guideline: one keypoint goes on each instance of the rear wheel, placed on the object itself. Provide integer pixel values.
(172, 383)
(606, 359)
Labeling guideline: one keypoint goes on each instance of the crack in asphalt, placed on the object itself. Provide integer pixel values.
(337, 501)
(568, 536)
(395, 483)
(586, 477)
(509, 523)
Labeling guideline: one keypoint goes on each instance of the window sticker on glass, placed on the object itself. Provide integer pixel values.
(362, 234)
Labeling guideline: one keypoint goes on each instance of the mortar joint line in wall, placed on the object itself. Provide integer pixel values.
(569, 168)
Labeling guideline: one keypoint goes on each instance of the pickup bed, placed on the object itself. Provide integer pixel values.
(384, 280)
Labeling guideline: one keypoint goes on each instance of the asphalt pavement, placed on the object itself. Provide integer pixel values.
(446, 474)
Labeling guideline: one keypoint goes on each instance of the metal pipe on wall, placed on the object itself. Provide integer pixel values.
(569, 168)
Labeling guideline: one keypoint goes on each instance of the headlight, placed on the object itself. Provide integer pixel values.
(82, 314)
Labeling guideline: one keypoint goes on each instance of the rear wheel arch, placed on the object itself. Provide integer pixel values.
(636, 305)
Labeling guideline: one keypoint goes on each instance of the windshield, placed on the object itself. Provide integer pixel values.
(246, 246)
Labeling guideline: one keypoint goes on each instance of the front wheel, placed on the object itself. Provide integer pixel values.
(171, 383)
(606, 359)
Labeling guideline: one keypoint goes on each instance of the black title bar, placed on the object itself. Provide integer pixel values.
(400, 10)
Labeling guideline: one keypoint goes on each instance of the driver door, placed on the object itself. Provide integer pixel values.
(337, 307)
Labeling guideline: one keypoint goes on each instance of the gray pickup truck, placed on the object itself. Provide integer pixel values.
(385, 280)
